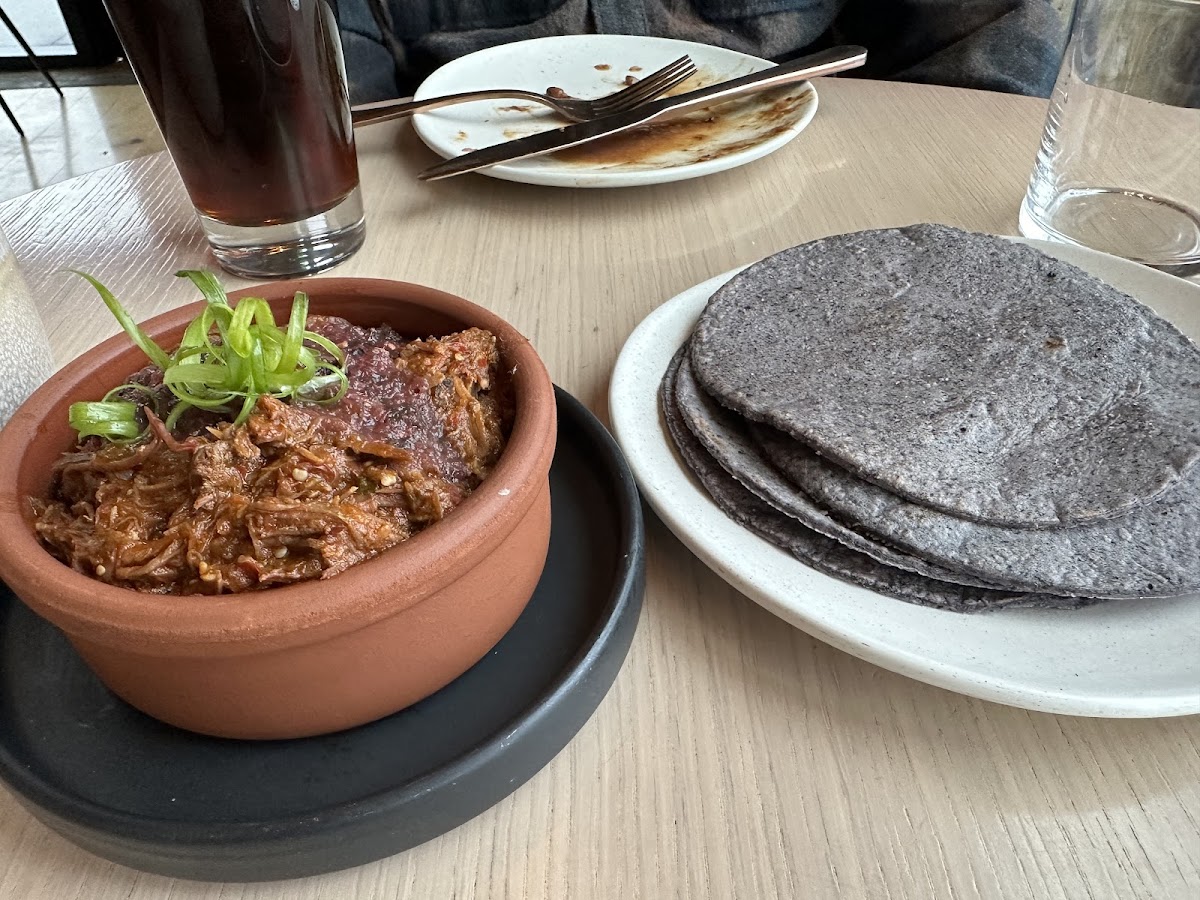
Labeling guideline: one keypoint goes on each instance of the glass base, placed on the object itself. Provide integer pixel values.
(1138, 226)
(292, 248)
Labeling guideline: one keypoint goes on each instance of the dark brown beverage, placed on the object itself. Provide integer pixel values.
(250, 96)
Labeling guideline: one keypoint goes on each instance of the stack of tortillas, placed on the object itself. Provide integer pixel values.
(949, 418)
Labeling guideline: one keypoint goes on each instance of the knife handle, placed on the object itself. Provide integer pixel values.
(835, 59)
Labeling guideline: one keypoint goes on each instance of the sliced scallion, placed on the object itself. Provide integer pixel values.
(113, 418)
(229, 356)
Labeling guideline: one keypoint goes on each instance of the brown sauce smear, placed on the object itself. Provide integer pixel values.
(705, 128)
(647, 142)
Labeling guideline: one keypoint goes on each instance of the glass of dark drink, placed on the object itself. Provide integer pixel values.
(250, 96)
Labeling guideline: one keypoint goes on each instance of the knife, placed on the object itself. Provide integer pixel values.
(836, 59)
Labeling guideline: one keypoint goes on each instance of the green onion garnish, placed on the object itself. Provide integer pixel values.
(112, 419)
(229, 357)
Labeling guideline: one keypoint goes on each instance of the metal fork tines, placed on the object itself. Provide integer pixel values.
(577, 110)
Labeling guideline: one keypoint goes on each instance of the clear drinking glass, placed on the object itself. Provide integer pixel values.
(25, 356)
(1118, 169)
(250, 96)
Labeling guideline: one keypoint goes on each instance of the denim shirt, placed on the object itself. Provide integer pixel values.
(1002, 45)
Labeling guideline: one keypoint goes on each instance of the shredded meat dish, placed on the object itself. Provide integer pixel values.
(298, 491)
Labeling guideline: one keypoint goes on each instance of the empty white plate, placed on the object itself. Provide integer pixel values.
(591, 66)
(1118, 658)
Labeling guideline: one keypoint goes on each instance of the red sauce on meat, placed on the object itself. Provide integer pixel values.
(299, 491)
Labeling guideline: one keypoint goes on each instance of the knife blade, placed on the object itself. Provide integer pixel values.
(835, 59)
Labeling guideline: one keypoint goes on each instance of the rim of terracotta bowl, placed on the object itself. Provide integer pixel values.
(287, 615)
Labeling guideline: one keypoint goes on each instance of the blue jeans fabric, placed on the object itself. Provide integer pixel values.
(1003, 45)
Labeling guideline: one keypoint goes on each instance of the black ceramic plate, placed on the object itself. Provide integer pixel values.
(145, 794)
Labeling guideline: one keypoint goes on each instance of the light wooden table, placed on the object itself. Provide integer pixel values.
(735, 756)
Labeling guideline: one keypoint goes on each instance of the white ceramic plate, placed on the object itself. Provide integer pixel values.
(1118, 658)
(593, 65)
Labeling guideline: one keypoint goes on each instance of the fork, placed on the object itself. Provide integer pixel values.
(653, 85)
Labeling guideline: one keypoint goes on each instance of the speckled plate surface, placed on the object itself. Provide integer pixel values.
(593, 65)
(1122, 658)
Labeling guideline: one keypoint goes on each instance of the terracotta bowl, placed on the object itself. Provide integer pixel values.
(315, 657)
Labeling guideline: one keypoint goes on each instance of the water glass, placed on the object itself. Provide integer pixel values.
(1118, 168)
(250, 96)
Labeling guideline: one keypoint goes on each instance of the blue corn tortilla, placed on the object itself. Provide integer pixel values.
(823, 553)
(1154, 551)
(964, 372)
(726, 439)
